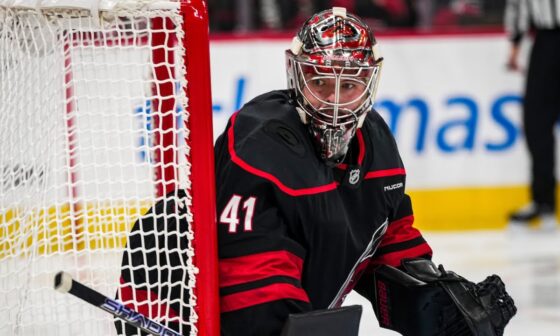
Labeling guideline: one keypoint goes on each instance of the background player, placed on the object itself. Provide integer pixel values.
(541, 103)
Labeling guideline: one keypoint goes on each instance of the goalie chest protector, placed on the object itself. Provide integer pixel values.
(331, 217)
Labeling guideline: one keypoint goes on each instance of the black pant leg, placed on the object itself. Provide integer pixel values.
(541, 110)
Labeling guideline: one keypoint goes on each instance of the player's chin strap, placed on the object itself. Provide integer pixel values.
(424, 300)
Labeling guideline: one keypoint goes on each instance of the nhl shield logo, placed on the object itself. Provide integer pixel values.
(354, 176)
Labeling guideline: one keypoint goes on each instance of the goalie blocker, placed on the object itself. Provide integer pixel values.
(422, 300)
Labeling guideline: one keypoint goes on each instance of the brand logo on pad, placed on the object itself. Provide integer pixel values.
(394, 186)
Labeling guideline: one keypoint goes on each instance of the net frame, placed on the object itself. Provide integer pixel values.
(198, 140)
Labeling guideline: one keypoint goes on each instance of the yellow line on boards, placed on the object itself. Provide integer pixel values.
(106, 225)
(477, 208)
(46, 231)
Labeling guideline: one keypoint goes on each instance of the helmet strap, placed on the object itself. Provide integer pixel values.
(339, 11)
(302, 115)
(296, 46)
(361, 119)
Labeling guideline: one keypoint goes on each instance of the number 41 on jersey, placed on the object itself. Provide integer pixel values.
(231, 213)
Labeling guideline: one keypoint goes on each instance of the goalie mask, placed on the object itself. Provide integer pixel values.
(333, 69)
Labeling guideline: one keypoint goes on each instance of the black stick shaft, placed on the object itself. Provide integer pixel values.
(64, 283)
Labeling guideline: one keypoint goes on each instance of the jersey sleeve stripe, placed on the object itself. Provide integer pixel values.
(247, 167)
(401, 246)
(393, 258)
(399, 231)
(274, 292)
(258, 284)
(145, 302)
(239, 270)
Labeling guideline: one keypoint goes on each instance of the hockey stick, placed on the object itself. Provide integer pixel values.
(64, 283)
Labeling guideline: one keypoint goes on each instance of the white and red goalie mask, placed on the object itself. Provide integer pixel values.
(333, 69)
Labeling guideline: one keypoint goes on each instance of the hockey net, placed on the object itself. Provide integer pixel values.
(104, 108)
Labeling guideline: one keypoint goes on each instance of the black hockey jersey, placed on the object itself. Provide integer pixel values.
(294, 234)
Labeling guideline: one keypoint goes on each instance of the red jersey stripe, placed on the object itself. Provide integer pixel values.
(399, 231)
(362, 147)
(145, 302)
(385, 172)
(278, 291)
(361, 153)
(255, 171)
(239, 270)
(394, 258)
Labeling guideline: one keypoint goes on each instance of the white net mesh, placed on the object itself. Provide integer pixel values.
(86, 116)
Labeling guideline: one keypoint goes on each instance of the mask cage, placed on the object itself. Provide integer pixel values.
(333, 113)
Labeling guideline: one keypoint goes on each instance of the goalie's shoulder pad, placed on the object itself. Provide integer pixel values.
(267, 138)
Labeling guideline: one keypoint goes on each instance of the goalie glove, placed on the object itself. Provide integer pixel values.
(424, 300)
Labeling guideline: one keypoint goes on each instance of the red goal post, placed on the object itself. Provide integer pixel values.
(106, 109)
